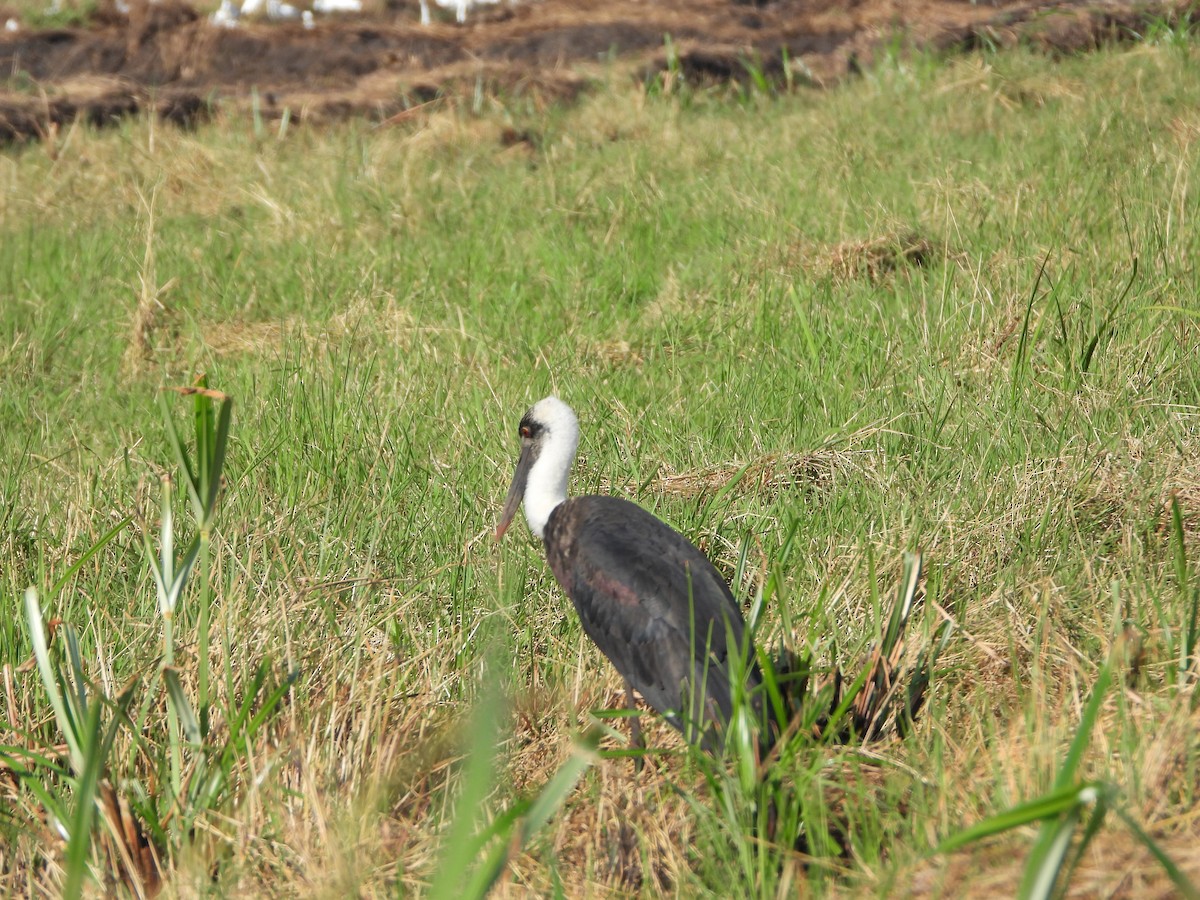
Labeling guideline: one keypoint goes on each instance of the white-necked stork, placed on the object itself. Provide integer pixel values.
(651, 601)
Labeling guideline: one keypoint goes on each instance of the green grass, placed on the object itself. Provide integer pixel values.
(712, 285)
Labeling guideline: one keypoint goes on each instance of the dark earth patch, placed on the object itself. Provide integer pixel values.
(167, 58)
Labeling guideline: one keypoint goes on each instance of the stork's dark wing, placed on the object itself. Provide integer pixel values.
(639, 587)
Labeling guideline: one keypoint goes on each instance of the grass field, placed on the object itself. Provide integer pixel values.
(950, 306)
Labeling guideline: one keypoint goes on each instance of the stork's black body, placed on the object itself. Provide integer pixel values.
(655, 606)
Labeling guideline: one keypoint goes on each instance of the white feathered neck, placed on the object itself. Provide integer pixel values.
(556, 440)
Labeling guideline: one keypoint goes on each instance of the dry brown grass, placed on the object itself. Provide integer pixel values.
(766, 475)
(854, 457)
(378, 318)
(347, 791)
(871, 258)
(151, 318)
(1116, 864)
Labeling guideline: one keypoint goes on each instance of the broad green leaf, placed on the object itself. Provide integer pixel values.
(1048, 805)
(179, 700)
(41, 652)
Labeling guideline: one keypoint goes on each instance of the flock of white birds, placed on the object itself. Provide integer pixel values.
(229, 14)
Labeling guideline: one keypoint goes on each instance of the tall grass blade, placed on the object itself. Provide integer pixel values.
(551, 797)
(1190, 637)
(459, 849)
(1182, 310)
(1054, 803)
(1095, 818)
(1085, 358)
(1045, 860)
(216, 465)
(183, 709)
(1087, 722)
(87, 555)
(79, 841)
(528, 818)
(170, 580)
(76, 684)
(98, 749)
(1187, 888)
(906, 595)
(268, 705)
(181, 458)
(41, 653)
(88, 744)
(1023, 343)
(922, 676)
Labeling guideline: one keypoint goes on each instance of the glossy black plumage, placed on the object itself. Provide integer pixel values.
(654, 605)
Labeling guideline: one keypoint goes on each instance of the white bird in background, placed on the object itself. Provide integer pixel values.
(337, 6)
(12, 25)
(277, 11)
(460, 7)
(226, 15)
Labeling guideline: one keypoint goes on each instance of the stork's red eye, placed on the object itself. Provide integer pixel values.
(526, 431)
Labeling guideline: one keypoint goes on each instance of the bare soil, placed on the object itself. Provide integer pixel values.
(167, 58)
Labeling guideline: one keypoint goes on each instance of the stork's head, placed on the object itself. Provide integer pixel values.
(549, 438)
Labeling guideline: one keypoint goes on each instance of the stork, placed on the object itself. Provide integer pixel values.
(647, 597)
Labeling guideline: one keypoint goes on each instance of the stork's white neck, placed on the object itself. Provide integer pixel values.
(547, 484)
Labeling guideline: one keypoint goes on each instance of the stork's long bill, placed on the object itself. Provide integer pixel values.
(516, 491)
